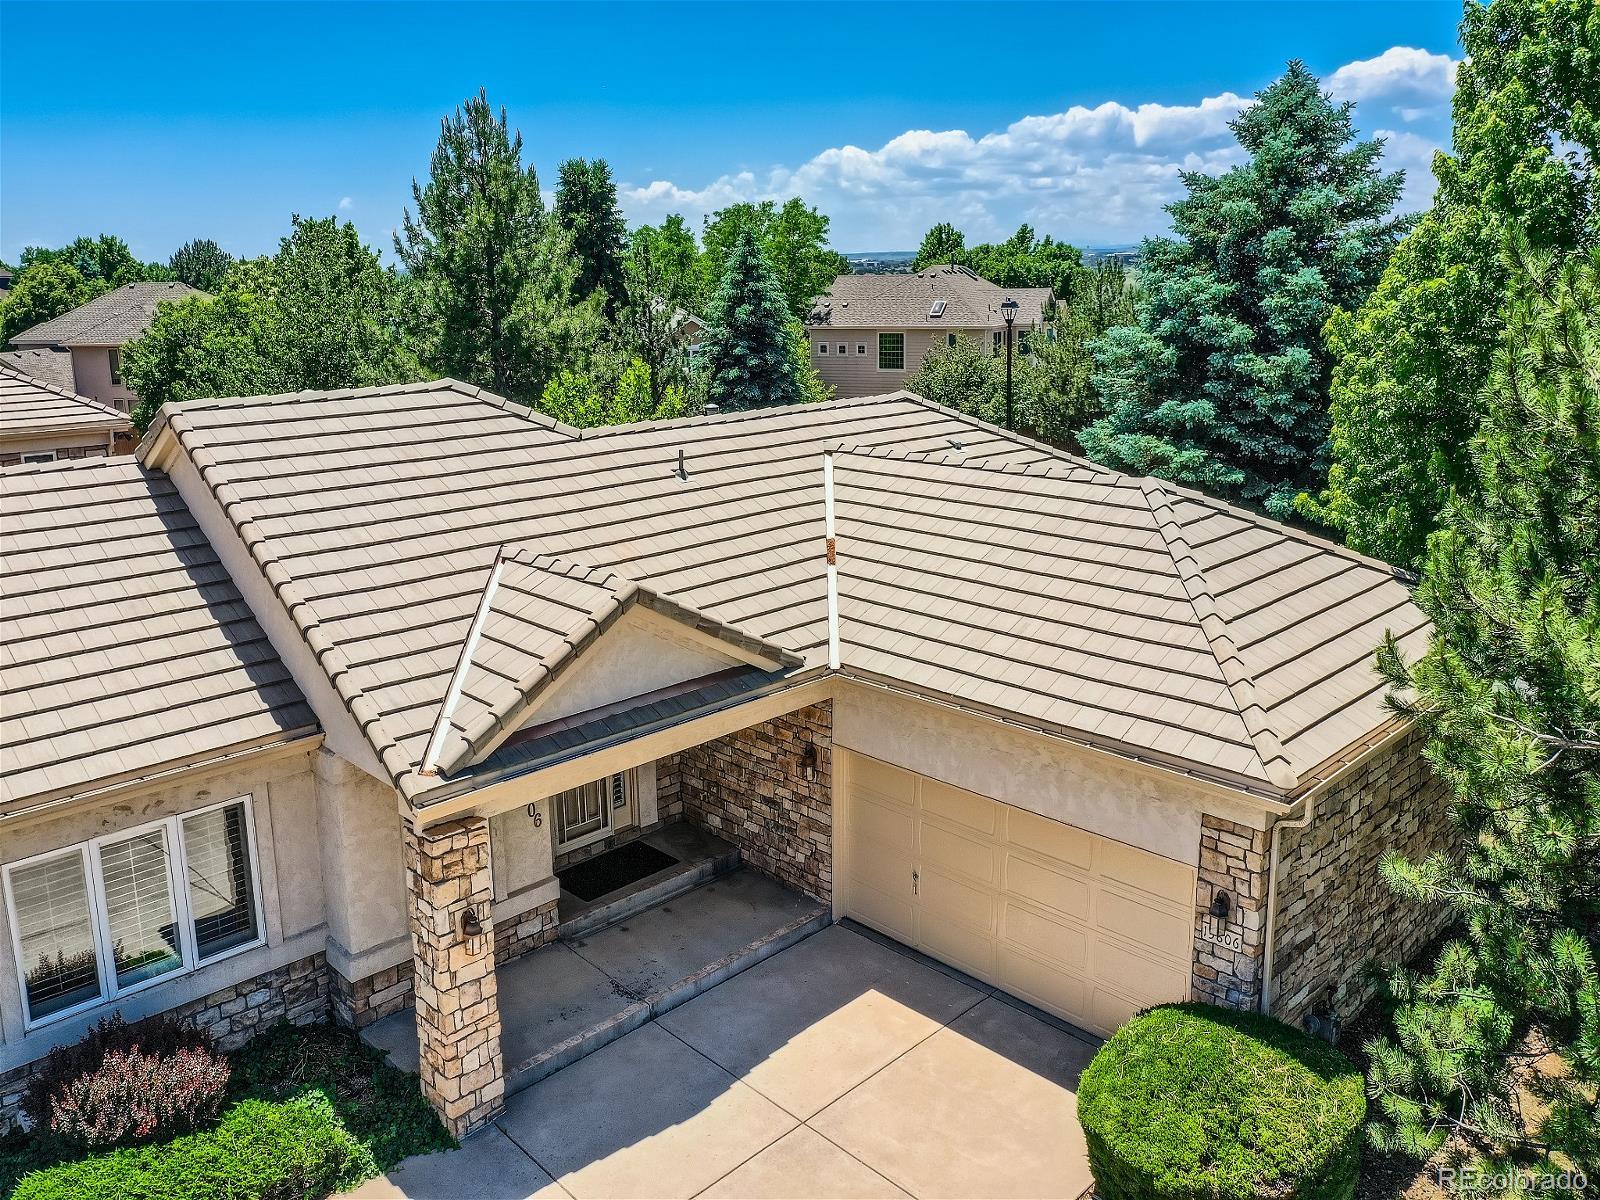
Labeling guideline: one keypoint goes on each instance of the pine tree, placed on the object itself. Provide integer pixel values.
(1223, 382)
(1509, 695)
(481, 258)
(748, 352)
(1411, 361)
(586, 207)
(201, 264)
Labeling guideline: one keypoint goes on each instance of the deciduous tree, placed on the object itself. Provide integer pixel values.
(41, 292)
(793, 239)
(944, 243)
(1223, 382)
(1410, 362)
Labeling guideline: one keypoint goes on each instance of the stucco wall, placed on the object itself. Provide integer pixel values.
(361, 869)
(1144, 807)
(91, 376)
(283, 801)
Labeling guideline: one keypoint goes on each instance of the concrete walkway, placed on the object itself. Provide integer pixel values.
(843, 1066)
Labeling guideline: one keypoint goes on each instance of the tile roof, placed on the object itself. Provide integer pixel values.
(112, 318)
(976, 565)
(908, 301)
(49, 364)
(30, 406)
(536, 617)
(126, 649)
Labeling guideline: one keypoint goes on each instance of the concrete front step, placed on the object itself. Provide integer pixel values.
(663, 1000)
(570, 998)
(701, 856)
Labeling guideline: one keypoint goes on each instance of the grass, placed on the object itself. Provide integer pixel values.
(291, 1077)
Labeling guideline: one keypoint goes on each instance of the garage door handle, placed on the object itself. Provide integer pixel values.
(916, 880)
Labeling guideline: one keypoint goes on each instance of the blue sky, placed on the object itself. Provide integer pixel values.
(172, 121)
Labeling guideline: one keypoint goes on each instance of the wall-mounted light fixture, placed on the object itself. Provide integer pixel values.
(808, 762)
(1219, 906)
(471, 927)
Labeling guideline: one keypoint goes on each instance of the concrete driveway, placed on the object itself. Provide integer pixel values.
(841, 1067)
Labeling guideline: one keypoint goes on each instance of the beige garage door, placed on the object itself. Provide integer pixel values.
(1082, 926)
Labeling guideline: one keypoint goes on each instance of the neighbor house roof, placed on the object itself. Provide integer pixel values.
(30, 406)
(127, 650)
(112, 318)
(914, 301)
(49, 364)
(974, 566)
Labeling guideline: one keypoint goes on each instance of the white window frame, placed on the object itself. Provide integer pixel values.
(39, 456)
(861, 349)
(177, 883)
(844, 350)
(822, 347)
(899, 333)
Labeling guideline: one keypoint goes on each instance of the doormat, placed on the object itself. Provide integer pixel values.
(615, 869)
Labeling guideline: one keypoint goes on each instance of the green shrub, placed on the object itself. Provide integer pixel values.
(260, 1151)
(1192, 1101)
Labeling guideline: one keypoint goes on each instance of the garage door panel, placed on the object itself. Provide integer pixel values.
(1081, 926)
(1140, 978)
(977, 813)
(958, 899)
(1042, 885)
(1051, 838)
(1141, 869)
(1047, 987)
(959, 854)
(1063, 943)
(958, 944)
(874, 821)
(1142, 920)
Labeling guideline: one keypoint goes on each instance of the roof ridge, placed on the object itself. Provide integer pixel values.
(1241, 686)
(745, 414)
(289, 593)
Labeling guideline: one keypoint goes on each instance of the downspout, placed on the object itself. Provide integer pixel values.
(833, 560)
(1308, 810)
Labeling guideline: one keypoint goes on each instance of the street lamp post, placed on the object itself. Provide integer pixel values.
(1008, 310)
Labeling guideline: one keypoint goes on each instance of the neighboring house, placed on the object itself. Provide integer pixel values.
(93, 335)
(42, 423)
(306, 705)
(870, 333)
(7, 278)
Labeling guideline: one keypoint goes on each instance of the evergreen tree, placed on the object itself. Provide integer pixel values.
(794, 240)
(201, 264)
(1509, 694)
(485, 263)
(942, 244)
(1223, 382)
(1411, 361)
(748, 348)
(586, 207)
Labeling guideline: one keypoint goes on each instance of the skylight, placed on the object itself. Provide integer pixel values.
(937, 310)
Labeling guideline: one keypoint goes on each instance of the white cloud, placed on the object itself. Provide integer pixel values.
(345, 203)
(1400, 71)
(1096, 175)
(1414, 155)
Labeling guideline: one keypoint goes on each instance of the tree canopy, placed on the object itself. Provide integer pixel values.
(1410, 362)
(1509, 694)
(794, 242)
(1223, 382)
(586, 207)
(944, 243)
(41, 292)
(201, 264)
(749, 350)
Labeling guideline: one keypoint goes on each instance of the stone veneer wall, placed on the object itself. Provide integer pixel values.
(456, 986)
(749, 788)
(358, 1003)
(1335, 912)
(1228, 953)
(526, 932)
(297, 992)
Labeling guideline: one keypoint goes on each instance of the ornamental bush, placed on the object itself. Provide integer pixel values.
(125, 1084)
(260, 1151)
(1194, 1101)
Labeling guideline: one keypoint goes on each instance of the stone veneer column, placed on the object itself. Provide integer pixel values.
(1228, 953)
(458, 1007)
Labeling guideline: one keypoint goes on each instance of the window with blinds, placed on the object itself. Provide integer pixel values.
(101, 919)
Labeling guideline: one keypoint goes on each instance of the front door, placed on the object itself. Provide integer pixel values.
(583, 815)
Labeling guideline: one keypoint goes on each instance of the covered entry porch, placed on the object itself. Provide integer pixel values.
(514, 976)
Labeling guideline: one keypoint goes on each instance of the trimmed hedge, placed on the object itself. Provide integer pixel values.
(1195, 1102)
(260, 1151)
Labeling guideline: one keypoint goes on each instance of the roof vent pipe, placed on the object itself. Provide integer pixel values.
(683, 468)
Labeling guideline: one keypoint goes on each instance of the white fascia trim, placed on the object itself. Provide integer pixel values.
(430, 760)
